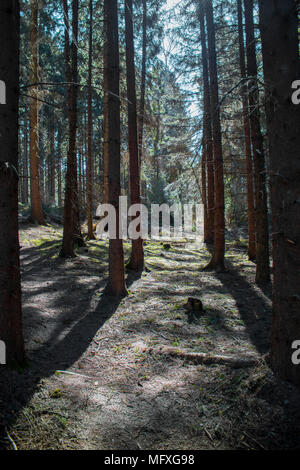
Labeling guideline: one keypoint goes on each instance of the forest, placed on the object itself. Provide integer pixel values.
(150, 227)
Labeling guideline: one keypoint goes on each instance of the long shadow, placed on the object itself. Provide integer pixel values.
(70, 337)
(16, 389)
(255, 312)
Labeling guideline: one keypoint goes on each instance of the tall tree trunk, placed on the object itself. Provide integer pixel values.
(89, 169)
(141, 117)
(116, 282)
(105, 125)
(247, 136)
(10, 283)
(217, 261)
(137, 253)
(83, 174)
(72, 233)
(279, 34)
(143, 87)
(36, 203)
(58, 167)
(25, 180)
(207, 164)
(79, 173)
(261, 208)
(51, 158)
(204, 190)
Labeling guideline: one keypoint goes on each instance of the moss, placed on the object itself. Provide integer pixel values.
(57, 393)
(40, 241)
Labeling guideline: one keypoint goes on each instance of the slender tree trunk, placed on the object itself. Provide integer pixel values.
(105, 125)
(71, 175)
(47, 139)
(72, 233)
(137, 253)
(79, 166)
(204, 191)
(90, 132)
(261, 208)
(36, 203)
(247, 136)
(42, 162)
(51, 159)
(217, 261)
(58, 168)
(279, 34)
(83, 177)
(10, 283)
(116, 282)
(207, 165)
(143, 87)
(26, 173)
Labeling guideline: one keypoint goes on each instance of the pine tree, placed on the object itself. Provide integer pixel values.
(261, 208)
(137, 254)
(90, 130)
(72, 232)
(279, 34)
(116, 282)
(36, 203)
(10, 283)
(207, 164)
(247, 137)
(217, 261)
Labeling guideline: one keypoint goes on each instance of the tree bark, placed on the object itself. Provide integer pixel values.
(247, 137)
(105, 125)
(279, 34)
(58, 168)
(10, 283)
(116, 282)
(72, 233)
(51, 158)
(136, 262)
(143, 87)
(26, 173)
(36, 203)
(207, 164)
(89, 169)
(261, 208)
(217, 261)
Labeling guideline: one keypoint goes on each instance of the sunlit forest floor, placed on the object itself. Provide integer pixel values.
(108, 375)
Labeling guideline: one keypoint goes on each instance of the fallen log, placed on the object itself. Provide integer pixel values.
(206, 358)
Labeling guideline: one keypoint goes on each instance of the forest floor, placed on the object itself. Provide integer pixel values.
(97, 377)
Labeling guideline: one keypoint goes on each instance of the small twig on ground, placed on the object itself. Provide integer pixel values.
(208, 434)
(74, 373)
(254, 440)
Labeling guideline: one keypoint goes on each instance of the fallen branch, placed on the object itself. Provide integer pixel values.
(204, 358)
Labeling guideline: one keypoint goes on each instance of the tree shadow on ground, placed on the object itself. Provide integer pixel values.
(251, 300)
(254, 309)
(71, 333)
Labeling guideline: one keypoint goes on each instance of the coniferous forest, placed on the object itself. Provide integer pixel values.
(149, 226)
